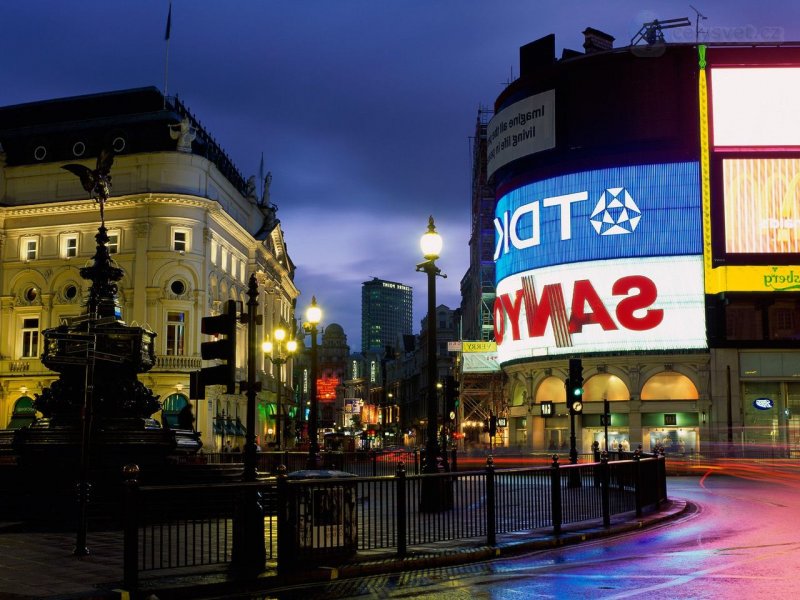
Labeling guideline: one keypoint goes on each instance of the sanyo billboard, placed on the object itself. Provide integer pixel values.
(602, 260)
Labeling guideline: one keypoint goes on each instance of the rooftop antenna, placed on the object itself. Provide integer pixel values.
(697, 30)
(653, 33)
(510, 77)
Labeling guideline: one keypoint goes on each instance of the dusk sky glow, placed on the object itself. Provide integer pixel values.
(363, 109)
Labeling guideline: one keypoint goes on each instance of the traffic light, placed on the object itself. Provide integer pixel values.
(575, 386)
(197, 391)
(492, 425)
(221, 349)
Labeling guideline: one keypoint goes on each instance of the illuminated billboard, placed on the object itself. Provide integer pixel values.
(326, 388)
(761, 205)
(755, 106)
(750, 191)
(612, 213)
(524, 128)
(606, 306)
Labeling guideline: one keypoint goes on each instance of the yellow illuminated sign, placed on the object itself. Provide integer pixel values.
(740, 278)
(479, 346)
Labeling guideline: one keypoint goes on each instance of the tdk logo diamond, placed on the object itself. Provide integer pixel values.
(615, 213)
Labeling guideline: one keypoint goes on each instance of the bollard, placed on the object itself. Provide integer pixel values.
(400, 474)
(662, 479)
(605, 477)
(491, 525)
(285, 530)
(130, 549)
(555, 495)
(637, 482)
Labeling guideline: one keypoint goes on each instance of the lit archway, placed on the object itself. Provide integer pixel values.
(605, 386)
(171, 411)
(23, 414)
(669, 386)
(551, 389)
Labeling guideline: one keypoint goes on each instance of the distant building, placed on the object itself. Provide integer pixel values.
(385, 314)
(184, 224)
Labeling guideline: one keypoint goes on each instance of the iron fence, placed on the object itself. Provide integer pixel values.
(308, 521)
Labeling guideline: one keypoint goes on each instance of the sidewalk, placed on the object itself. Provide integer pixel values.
(41, 565)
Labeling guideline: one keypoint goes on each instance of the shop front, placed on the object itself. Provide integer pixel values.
(556, 434)
(677, 433)
(771, 418)
(594, 431)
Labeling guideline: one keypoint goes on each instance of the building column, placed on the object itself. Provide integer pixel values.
(139, 275)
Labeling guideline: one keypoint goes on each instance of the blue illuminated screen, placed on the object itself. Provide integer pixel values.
(619, 212)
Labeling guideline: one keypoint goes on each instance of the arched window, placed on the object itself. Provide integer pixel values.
(605, 386)
(519, 397)
(669, 386)
(551, 389)
(171, 411)
(23, 414)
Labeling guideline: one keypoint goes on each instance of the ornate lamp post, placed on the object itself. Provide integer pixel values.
(313, 317)
(431, 244)
(279, 356)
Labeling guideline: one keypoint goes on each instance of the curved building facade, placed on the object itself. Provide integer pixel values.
(647, 223)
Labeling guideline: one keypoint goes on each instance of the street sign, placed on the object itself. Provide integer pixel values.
(546, 409)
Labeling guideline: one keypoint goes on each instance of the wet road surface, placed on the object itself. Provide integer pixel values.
(742, 541)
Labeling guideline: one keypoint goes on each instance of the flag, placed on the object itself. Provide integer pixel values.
(169, 22)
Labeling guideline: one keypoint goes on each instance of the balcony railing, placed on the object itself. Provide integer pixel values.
(171, 362)
(29, 367)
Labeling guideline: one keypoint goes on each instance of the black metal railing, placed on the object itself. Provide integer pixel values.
(307, 520)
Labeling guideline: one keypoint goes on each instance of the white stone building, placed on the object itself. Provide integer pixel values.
(185, 226)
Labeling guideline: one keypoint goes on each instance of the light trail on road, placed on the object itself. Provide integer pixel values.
(740, 542)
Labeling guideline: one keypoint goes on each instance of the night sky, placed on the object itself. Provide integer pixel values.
(363, 109)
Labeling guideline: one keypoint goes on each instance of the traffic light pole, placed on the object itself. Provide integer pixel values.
(573, 450)
(250, 437)
(248, 553)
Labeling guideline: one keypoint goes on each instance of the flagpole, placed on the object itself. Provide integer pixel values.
(261, 177)
(166, 54)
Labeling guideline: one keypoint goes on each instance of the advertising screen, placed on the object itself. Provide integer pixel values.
(524, 128)
(755, 106)
(326, 388)
(761, 205)
(613, 213)
(617, 305)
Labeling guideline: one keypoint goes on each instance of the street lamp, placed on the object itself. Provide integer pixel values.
(279, 356)
(431, 244)
(313, 318)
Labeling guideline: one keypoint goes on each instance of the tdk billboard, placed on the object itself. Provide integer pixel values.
(620, 212)
(604, 260)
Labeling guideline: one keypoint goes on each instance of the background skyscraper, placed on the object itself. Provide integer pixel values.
(385, 314)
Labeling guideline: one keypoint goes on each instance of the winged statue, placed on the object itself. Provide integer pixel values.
(98, 181)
